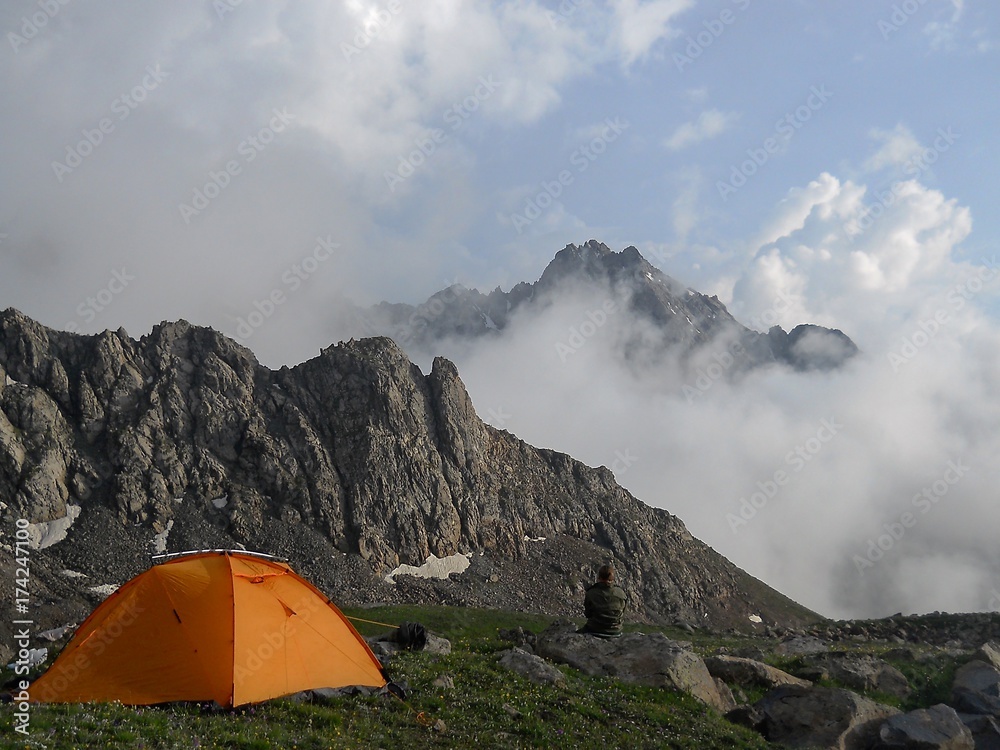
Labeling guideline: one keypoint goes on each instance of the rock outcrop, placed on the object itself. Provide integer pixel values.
(740, 671)
(821, 717)
(643, 659)
(934, 728)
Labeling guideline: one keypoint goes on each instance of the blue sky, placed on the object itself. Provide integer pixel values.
(212, 160)
(698, 84)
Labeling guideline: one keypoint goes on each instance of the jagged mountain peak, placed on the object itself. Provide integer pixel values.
(674, 322)
(596, 261)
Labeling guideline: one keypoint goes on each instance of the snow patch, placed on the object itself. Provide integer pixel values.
(104, 590)
(434, 567)
(649, 275)
(221, 502)
(72, 574)
(42, 535)
(756, 619)
(534, 539)
(159, 542)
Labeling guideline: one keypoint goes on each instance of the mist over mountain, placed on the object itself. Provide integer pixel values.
(797, 454)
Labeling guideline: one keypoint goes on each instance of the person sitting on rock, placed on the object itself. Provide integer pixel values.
(604, 605)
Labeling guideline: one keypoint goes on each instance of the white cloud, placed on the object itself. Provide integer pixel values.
(898, 147)
(942, 34)
(843, 280)
(710, 123)
(639, 25)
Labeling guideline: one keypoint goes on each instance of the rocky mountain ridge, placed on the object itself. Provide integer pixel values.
(349, 464)
(678, 322)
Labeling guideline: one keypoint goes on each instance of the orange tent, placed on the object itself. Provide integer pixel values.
(225, 626)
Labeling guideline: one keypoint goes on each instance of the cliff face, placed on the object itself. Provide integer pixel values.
(349, 464)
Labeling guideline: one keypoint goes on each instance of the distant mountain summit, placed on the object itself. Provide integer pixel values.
(684, 323)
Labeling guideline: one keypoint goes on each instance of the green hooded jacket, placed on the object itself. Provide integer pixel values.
(604, 606)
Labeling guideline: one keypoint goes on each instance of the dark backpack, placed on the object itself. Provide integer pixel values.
(412, 636)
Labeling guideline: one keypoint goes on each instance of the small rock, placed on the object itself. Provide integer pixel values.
(445, 682)
(747, 716)
(531, 667)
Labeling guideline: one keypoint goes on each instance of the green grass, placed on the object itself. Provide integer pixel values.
(488, 707)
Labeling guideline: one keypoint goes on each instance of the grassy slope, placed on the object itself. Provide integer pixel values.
(488, 707)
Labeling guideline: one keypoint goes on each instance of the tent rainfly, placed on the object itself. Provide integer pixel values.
(223, 626)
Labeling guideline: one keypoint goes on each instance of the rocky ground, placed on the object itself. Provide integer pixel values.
(842, 687)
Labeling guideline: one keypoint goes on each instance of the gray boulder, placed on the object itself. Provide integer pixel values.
(821, 717)
(989, 653)
(934, 728)
(740, 671)
(985, 730)
(976, 689)
(643, 659)
(867, 673)
(532, 667)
